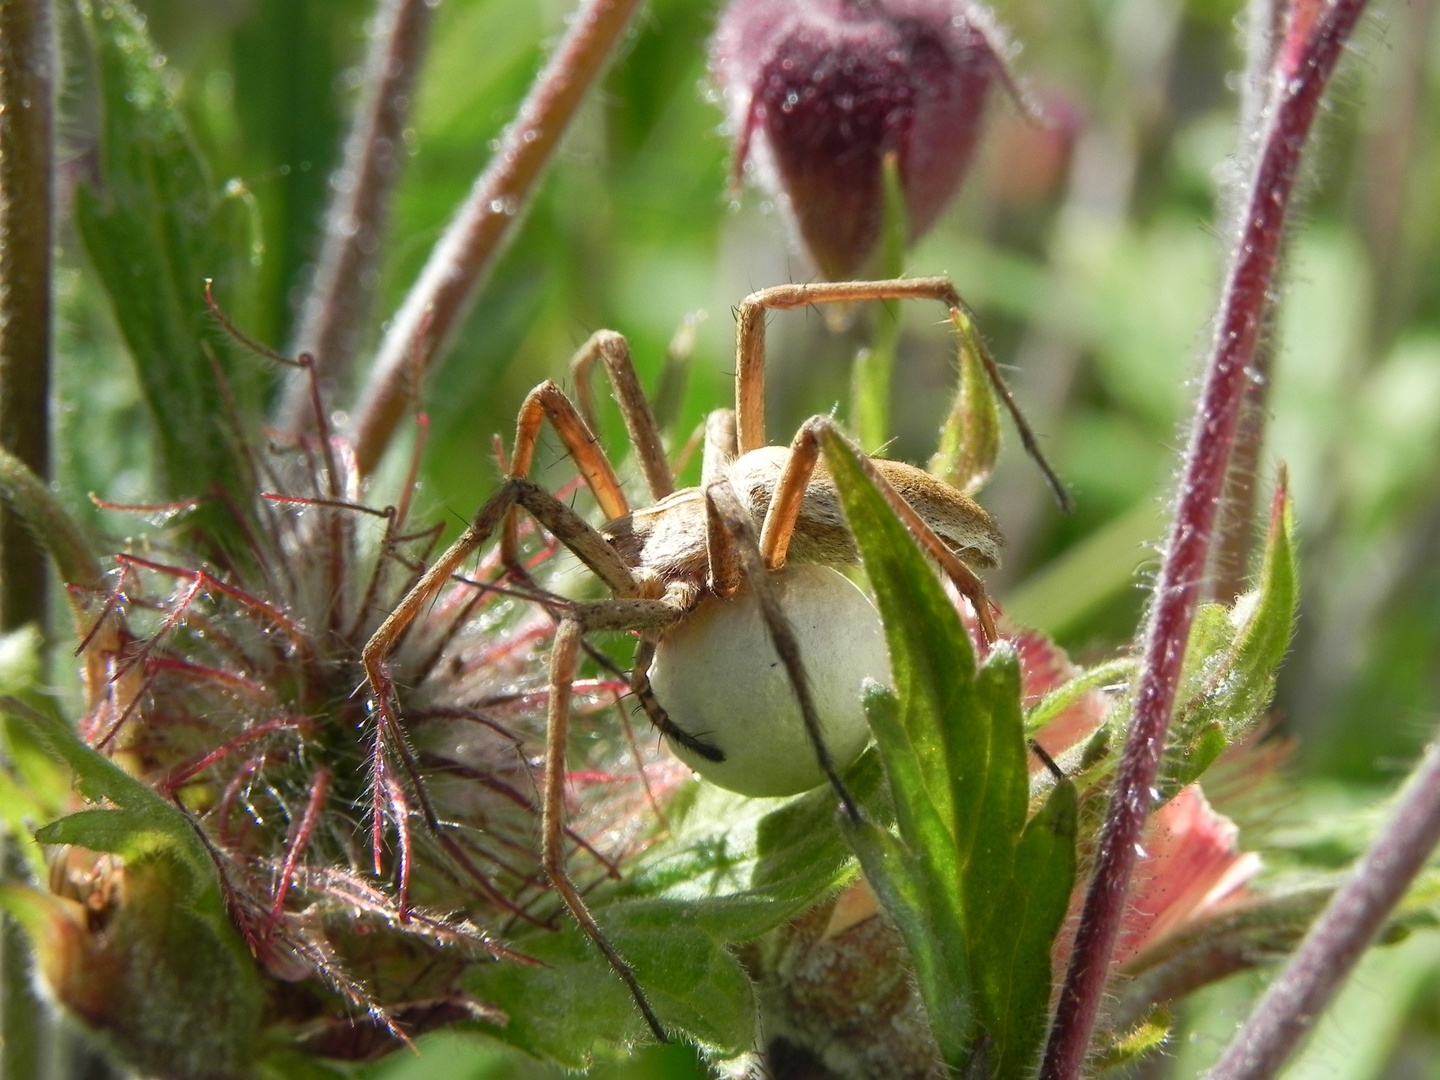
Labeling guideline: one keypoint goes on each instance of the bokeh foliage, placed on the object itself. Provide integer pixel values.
(1095, 283)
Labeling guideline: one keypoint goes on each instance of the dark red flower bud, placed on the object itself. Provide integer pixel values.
(820, 91)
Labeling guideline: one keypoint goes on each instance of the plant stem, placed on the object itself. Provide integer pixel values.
(336, 311)
(1242, 309)
(1230, 562)
(27, 59)
(439, 300)
(1294, 1001)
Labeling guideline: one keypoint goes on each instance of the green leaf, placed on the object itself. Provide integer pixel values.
(142, 825)
(1015, 940)
(170, 958)
(1233, 658)
(32, 500)
(575, 1006)
(970, 438)
(977, 893)
(1148, 1035)
(155, 231)
(32, 786)
(1062, 697)
(732, 869)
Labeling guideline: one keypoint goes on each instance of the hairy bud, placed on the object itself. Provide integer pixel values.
(819, 92)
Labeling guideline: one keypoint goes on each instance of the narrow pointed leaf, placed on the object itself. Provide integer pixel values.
(931, 922)
(1015, 942)
(1234, 657)
(978, 895)
(970, 438)
(154, 231)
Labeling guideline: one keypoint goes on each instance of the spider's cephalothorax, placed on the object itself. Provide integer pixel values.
(703, 576)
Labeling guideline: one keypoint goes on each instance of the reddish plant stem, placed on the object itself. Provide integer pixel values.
(27, 176)
(1243, 304)
(337, 308)
(467, 251)
(1230, 560)
(1294, 1001)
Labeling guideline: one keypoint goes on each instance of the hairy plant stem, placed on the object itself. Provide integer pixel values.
(1230, 561)
(1237, 329)
(1293, 1002)
(27, 173)
(439, 300)
(334, 314)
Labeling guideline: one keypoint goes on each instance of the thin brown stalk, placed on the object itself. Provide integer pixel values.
(1238, 326)
(337, 309)
(438, 302)
(27, 64)
(1294, 1001)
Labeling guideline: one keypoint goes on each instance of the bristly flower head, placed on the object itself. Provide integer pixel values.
(819, 92)
(231, 692)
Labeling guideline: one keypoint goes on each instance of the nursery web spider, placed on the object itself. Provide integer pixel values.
(757, 507)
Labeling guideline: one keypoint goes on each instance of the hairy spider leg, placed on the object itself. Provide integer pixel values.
(548, 400)
(722, 446)
(750, 351)
(613, 352)
(750, 333)
(820, 433)
(724, 577)
(738, 556)
(618, 614)
(627, 611)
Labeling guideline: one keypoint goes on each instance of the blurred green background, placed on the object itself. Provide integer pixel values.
(1089, 250)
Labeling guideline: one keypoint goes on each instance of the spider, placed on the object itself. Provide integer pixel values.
(758, 507)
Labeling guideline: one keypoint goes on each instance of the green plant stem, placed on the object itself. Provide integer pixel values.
(29, 499)
(875, 363)
(26, 240)
(459, 263)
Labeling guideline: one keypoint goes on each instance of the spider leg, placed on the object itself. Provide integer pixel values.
(820, 433)
(750, 350)
(627, 611)
(548, 400)
(721, 446)
(646, 615)
(613, 351)
(723, 507)
(750, 332)
(640, 687)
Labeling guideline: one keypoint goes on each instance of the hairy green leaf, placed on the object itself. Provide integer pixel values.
(977, 893)
(170, 957)
(155, 230)
(733, 869)
(970, 439)
(1233, 659)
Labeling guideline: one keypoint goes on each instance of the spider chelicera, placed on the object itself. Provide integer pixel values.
(757, 508)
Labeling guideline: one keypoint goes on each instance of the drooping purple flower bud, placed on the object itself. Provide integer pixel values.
(820, 91)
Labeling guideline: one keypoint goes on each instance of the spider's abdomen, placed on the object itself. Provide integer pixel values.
(821, 535)
(720, 680)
